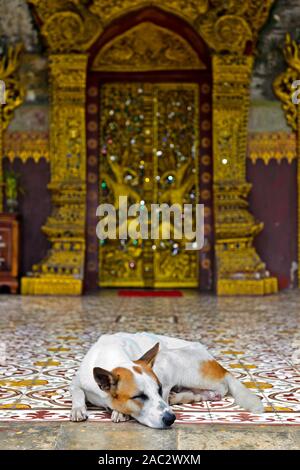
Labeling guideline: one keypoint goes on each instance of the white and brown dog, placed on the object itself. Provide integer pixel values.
(140, 375)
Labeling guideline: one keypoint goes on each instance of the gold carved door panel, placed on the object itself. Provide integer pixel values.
(149, 153)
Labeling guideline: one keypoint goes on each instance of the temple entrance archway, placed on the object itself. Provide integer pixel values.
(89, 47)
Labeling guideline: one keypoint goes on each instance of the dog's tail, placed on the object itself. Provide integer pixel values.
(243, 396)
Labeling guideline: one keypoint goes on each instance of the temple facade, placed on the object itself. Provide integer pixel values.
(164, 102)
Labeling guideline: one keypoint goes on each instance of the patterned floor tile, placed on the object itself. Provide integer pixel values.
(43, 340)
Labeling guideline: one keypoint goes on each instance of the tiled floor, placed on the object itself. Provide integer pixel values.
(42, 341)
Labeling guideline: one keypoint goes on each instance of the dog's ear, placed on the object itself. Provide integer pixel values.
(105, 379)
(150, 356)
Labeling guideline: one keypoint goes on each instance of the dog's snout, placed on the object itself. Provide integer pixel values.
(168, 418)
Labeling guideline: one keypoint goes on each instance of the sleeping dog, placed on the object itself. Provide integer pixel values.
(140, 375)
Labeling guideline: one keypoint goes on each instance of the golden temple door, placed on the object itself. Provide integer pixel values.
(149, 153)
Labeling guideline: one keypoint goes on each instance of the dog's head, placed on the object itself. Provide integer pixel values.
(136, 391)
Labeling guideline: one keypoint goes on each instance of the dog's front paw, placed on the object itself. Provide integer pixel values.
(172, 398)
(79, 414)
(117, 417)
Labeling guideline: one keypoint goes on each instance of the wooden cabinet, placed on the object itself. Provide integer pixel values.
(9, 251)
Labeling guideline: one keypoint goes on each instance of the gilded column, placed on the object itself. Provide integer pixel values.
(61, 272)
(238, 267)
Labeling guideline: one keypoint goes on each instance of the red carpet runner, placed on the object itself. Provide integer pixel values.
(150, 293)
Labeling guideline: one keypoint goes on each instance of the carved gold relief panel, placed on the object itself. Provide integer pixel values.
(225, 25)
(70, 25)
(67, 117)
(122, 160)
(149, 151)
(231, 76)
(176, 176)
(109, 9)
(147, 47)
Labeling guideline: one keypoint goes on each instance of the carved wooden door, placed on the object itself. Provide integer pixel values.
(149, 153)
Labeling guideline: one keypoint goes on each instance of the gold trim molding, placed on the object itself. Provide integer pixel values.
(147, 47)
(264, 146)
(26, 145)
(269, 146)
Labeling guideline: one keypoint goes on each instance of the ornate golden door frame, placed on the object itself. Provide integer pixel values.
(164, 62)
(71, 29)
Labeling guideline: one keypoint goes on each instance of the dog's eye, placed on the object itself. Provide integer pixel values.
(160, 390)
(141, 396)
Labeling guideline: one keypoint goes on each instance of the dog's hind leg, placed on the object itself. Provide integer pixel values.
(79, 411)
(193, 396)
(215, 377)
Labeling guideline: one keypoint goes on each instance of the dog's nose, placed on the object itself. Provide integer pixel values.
(168, 418)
